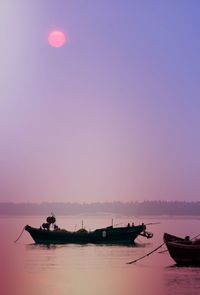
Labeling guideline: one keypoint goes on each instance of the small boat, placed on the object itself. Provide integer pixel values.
(183, 251)
(107, 235)
(171, 238)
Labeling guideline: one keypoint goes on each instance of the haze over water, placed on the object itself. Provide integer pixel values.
(27, 268)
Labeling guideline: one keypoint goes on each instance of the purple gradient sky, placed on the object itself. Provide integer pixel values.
(112, 115)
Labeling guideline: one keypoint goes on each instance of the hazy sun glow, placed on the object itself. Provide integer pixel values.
(56, 39)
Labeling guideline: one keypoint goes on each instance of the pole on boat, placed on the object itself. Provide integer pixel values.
(131, 262)
(152, 223)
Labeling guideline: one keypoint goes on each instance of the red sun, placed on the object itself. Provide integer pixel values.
(56, 39)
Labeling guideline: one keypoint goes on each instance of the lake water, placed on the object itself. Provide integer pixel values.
(29, 269)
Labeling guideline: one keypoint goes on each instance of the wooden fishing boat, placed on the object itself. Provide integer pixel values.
(183, 251)
(171, 238)
(107, 235)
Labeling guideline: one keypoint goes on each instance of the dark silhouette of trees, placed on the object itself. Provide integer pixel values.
(129, 208)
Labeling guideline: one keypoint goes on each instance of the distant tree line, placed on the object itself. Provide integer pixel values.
(128, 208)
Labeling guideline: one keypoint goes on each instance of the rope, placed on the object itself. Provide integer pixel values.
(163, 251)
(146, 254)
(19, 235)
(195, 237)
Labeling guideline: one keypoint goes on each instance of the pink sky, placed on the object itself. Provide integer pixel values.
(111, 115)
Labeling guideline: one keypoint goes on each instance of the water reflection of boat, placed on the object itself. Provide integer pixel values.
(183, 251)
(107, 235)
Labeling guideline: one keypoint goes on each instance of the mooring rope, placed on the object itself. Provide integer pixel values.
(166, 250)
(19, 235)
(146, 254)
(195, 237)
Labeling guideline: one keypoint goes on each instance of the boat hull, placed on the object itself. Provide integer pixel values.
(109, 235)
(183, 252)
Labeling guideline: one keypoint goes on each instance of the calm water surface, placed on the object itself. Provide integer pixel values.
(29, 269)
